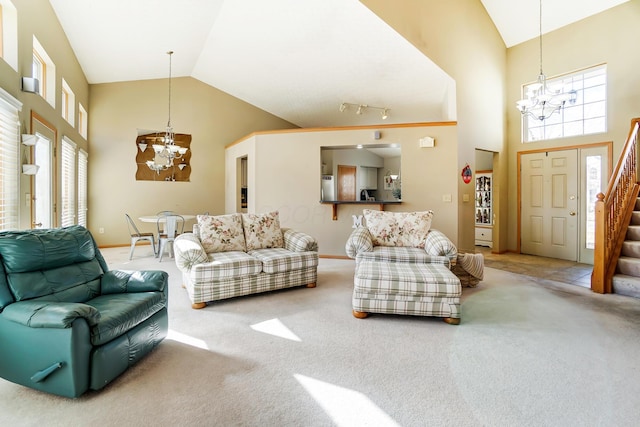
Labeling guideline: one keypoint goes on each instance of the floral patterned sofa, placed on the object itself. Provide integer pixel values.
(403, 267)
(240, 254)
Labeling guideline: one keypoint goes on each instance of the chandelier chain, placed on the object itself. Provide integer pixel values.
(170, 53)
(540, 23)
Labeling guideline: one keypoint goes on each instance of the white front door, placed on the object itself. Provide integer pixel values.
(549, 203)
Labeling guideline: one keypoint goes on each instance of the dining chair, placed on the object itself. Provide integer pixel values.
(136, 236)
(169, 226)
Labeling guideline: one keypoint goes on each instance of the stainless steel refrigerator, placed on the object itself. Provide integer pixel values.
(328, 188)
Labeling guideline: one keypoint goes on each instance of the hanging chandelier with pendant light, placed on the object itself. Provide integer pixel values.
(542, 101)
(168, 151)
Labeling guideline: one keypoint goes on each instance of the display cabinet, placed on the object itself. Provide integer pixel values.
(483, 208)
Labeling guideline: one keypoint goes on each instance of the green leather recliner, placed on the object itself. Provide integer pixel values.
(67, 323)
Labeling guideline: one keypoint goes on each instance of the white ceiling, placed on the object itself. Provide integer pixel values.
(299, 60)
(519, 20)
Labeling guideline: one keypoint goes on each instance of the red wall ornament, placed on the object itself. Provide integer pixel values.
(466, 174)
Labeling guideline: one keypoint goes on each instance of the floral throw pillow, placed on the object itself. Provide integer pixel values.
(221, 233)
(262, 231)
(398, 228)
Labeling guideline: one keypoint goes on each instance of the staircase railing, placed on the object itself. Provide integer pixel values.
(613, 212)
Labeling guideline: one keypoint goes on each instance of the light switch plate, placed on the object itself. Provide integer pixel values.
(446, 198)
(465, 197)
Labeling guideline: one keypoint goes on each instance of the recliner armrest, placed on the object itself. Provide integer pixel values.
(50, 314)
(359, 241)
(121, 281)
(297, 241)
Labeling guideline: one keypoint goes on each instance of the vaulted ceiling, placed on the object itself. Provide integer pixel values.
(298, 60)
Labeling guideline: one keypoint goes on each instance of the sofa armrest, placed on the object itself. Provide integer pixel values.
(121, 281)
(188, 251)
(297, 241)
(359, 241)
(50, 314)
(438, 244)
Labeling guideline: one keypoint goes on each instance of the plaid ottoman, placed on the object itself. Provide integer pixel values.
(406, 288)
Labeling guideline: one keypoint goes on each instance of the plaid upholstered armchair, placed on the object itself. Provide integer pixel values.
(403, 267)
(400, 237)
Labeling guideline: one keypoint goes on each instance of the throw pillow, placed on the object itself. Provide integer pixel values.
(398, 228)
(221, 233)
(262, 231)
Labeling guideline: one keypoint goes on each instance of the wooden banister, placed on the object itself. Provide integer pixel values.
(613, 212)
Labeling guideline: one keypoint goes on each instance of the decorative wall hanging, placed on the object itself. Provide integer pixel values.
(150, 149)
(466, 174)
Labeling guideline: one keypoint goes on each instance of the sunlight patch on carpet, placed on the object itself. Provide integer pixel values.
(345, 407)
(277, 328)
(186, 339)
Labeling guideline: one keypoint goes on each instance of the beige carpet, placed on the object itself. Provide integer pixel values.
(527, 353)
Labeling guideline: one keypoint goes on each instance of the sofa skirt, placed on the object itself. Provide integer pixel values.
(249, 284)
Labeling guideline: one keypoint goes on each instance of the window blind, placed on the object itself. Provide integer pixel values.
(68, 212)
(82, 187)
(9, 160)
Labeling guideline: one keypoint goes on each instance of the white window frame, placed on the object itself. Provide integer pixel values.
(68, 183)
(586, 116)
(68, 104)
(9, 161)
(9, 33)
(48, 75)
(83, 120)
(83, 163)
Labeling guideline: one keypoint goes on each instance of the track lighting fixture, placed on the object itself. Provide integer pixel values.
(361, 108)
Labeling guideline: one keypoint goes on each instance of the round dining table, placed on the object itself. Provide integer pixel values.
(169, 229)
(155, 218)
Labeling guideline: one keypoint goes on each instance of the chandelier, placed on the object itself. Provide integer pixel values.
(542, 101)
(167, 152)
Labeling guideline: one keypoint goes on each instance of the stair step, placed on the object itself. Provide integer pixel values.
(626, 285)
(629, 266)
(631, 248)
(635, 218)
(633, 232)
(637, 208)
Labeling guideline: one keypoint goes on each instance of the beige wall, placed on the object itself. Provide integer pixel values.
(285, 168)
(609, 37)
(459, 37)
(36, 17)
(117, 110)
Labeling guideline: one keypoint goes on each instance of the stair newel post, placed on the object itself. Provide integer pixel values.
(599, 254)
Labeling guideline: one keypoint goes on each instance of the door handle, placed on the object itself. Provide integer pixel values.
(36, 224)
(572, 213)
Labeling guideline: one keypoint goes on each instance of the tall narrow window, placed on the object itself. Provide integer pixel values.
(68, 103)
(587, 115)
(9, 160)
(83, 119)
(9, 33)
(82, 187)
(593, 180)
(68, 184)
(45, 71)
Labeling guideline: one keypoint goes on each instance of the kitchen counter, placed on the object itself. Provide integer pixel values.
(380, 203)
